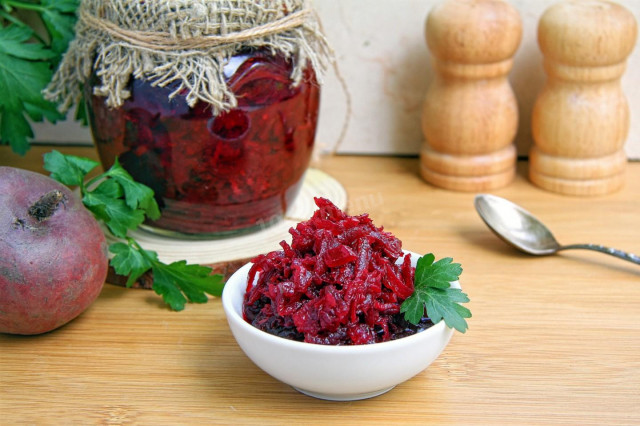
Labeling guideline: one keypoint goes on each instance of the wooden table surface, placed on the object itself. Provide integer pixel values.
(552, 339)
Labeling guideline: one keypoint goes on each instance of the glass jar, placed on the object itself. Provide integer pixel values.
(215, 175)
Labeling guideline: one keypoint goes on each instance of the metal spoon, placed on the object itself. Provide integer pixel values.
(522, 230)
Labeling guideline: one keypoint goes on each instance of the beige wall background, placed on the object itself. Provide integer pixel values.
(383, 71)
(382, 57)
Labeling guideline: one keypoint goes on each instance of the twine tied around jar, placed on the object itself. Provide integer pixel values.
(185, 43)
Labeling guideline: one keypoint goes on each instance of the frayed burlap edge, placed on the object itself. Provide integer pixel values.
(186, 42)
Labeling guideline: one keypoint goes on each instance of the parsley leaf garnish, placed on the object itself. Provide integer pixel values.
(27, 61)
(122, 205)
(433, 292)
(176, 282)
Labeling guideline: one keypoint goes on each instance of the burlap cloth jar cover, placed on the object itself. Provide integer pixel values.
(183, 47)
(184, 40)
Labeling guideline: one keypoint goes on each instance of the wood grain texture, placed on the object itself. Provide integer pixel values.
(470, 114)
(553, 340)
(580, 120)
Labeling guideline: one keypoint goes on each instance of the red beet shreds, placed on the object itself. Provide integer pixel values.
(336, 284)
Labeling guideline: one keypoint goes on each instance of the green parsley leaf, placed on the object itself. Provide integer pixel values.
(136, 194)
(68, 169)
(178, 279)
(24, 73)
(177, 282)
(128, 261)
(433, 292)
(37, 113)
(115, 213)
(14, 128)
(113, 197)
(109, 188)
(27, 61)
(14, 39)
(123, 204)
(438, 274)
(59, 18)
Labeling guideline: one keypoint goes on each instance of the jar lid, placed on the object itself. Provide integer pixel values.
(183, 41)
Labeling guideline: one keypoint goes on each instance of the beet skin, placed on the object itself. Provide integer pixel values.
(53, 254)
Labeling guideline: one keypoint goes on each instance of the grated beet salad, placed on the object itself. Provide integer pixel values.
(338, 283)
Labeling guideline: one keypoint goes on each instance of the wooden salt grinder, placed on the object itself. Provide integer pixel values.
(470, 114)
(581, 118)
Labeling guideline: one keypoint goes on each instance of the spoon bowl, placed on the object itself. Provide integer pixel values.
(522, 230)
(515, 225)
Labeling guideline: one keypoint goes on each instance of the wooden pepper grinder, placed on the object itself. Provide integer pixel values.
(470, 114)
(581, 118)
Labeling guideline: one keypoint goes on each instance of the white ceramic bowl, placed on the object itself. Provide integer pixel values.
(339, 373)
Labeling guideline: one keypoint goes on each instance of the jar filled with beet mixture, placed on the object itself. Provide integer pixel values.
(216, 113)
(216, 174)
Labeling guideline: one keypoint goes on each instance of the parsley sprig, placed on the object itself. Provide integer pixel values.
(433, 292)
(27, 61)
(122, 205)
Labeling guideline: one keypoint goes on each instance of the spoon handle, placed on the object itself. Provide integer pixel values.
(607, 250)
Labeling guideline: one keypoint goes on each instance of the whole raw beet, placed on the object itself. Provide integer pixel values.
(53, 254)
